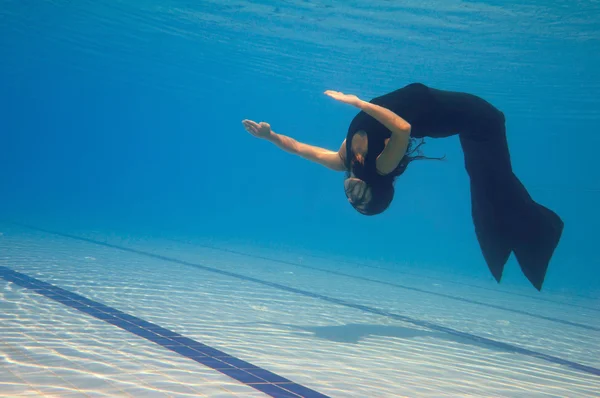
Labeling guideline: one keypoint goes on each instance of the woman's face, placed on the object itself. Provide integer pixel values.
(359, 146)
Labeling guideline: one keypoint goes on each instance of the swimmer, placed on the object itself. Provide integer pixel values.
(381, 142)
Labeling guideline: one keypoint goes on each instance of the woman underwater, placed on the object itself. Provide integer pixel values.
(380, 144)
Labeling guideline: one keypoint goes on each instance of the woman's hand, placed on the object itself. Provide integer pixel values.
(345, 98)
(260, 130)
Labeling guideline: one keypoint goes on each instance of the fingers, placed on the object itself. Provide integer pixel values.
(333, 93)
(252, 123)
(250, 126)
(256, 129)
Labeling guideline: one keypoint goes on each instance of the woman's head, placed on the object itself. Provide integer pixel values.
(370, 193)
(366, 198)
(358, 193)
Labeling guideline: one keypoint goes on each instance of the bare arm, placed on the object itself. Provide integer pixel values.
(334, 160)
(396, 147)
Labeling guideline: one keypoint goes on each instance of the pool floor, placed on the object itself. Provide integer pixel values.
(96, 314)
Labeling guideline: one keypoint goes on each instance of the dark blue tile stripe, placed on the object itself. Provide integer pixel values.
(414, 289)
(238, 369)
(432, 326)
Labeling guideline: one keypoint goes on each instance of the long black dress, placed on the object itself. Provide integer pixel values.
(505, 217)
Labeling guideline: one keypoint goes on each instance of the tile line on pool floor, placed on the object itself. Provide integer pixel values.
(514, 294)
(358, 264)
(404, 287)
(244, 372)
(362, 265)
(422, 323)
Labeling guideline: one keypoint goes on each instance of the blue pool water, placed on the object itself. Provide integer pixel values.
(150, 246)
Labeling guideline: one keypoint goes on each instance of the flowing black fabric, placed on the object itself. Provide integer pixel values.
(506, 219)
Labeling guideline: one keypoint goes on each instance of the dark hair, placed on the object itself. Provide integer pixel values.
(382, 187)
(382, 195)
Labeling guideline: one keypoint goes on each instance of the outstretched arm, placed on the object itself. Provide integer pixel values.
(396, 147)
(330, 159)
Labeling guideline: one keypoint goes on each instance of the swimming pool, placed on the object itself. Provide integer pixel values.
(150, 247)
(189, 318)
